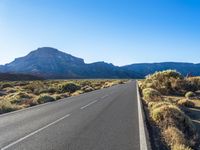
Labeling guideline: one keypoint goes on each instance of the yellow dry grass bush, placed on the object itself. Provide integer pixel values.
(170, 115)
(186, 103)
(158, 104)
(45, 98)
(161, 81)
(77, 93)
(6, 106)
(180, 147)
(151, 95)
(190, 94)
(174, 136)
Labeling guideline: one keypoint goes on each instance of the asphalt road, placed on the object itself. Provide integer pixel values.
(105, 119)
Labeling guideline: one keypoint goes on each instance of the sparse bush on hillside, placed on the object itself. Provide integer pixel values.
(45, 98)
(150, 94)
(190, 94)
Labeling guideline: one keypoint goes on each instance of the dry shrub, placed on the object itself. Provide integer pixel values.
(6, 106)
(161, 81)
(186, 103)
(158, 104)
(87, 88)
(30, 102)
(174, 136)
(77, 93)
(170, 115)
(190, 94)
(180, 147)
(69, 87)
(5, 85)
(107, 84)
(45, 98)
(195, 81)
(150, 94)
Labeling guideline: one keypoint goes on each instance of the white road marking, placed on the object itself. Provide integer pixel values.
(35, 132)
(142, 134)
(89, 104)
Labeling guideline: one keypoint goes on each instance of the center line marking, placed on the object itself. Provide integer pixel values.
(35, 132)
(89, 104)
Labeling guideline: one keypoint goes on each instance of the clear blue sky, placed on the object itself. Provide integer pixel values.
(117, 31)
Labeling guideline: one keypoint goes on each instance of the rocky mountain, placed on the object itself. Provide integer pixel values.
(144, 69)
(51, 63)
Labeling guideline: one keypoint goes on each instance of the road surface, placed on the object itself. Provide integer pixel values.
(105, 119)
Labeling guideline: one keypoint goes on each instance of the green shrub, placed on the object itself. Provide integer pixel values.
(69, 87)
(150, 94)
(45, 98)
(190, 94)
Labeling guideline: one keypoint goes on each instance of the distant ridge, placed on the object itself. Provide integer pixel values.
(18, 77)
(149, 68)
(51, 63)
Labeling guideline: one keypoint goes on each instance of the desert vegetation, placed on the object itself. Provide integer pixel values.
(15, 95)
(167, 98)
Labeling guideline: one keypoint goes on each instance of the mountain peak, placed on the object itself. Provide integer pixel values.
(46, 49)
(52, 63)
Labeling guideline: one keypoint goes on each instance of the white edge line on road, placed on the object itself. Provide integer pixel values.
(142, 134)
(33, 133)
(89, 104)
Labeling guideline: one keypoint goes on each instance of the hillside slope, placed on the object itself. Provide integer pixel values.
(52, 63)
